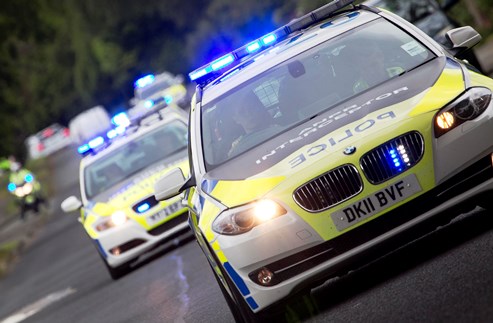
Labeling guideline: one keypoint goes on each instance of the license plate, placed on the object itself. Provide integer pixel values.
(164, 213)
(376, 202)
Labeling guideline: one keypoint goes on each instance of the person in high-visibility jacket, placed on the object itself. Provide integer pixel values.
(26, 188)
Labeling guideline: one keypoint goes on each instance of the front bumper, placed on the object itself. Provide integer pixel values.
(121, 244)
(317, 263)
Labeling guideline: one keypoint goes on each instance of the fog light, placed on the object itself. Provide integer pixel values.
(492, 159)
(265, 276)
(116, 251)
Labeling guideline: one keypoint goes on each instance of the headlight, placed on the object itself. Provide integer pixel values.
(19, 192)
(466, 107)
(116, 219)
(27, 188)
(243, 219)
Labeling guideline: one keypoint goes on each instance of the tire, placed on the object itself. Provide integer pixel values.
(119, 271)
(486, 201)
(236, 303)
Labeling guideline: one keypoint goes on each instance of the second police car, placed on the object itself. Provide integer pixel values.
(335, 136)
(117, 206)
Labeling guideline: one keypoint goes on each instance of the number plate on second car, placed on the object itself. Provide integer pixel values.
(159, 216)
(376, 202)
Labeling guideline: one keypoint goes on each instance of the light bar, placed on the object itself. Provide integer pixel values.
(83, 149)
(120, 119)
(96, 142)
(148, 104)
(267, 40)
(253, 47)
(144, 81)
(222, 62)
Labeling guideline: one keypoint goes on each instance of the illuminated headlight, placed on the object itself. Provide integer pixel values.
(116, 219)
(243, 219)
(27, 188)
(466, 107)
(19, 192)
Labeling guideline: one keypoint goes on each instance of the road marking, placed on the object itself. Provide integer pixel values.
(39, 305)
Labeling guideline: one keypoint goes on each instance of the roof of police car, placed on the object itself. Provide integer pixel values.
(127, 137)
(285, 50)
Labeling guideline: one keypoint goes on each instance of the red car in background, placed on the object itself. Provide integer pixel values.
(48, 141)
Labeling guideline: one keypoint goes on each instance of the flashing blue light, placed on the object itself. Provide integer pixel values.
(168, 99)
(143, 207)
(149, 104)
(96, 142)
(29, 178)
(11, 187)
(397, 164)
(111, 134)
(143, 81)
(253, 47)
(83, 149)
(120, 129)
(120, 119)
(195, 75)
(222, 62)
(269, 39)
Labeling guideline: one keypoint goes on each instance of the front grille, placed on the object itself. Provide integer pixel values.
(393, 157)
(329, 189)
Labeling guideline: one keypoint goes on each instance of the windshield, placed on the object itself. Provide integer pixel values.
(306, 85)
(158, 145)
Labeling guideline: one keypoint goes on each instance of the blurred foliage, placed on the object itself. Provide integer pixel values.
(59, 58)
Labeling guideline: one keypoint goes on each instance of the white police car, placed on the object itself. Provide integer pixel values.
(328, 140)
(117, 174)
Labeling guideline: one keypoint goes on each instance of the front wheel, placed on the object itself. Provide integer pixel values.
(119, 271)
(486, 201)
(236, 303)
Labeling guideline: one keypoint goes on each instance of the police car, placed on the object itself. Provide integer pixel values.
(117, 205)
(325, 141)
(156, 91)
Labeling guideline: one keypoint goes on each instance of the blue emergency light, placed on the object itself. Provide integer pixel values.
(211, 70)
(11, 187)
(120, 119)
(144, 81)
(143, 207)
(29, 178)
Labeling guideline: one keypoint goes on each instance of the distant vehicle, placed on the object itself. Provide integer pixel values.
(48, 141)
(156, 91)
(117, 205)
(430, 16)
(89, 124)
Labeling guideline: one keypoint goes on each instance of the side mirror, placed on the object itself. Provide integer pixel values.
(169, 185)
(462, 39)
(71, 204)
